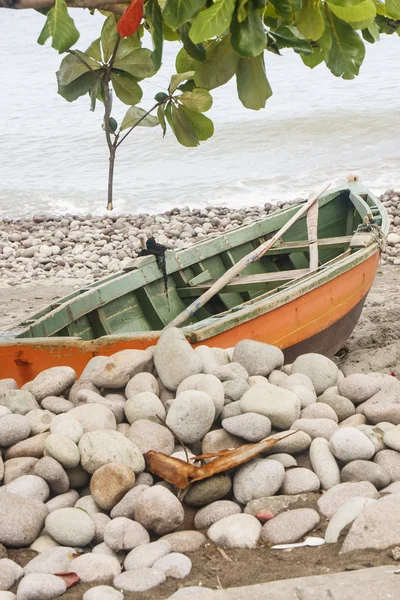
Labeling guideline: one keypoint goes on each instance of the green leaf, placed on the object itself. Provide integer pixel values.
(136, 114)
(137, 63)
(154, 18)
(347, 51)
(393, 8)
(285, 38)
(371, 34)
(177, 12)
(241, 10)
(219, 67)
(287, 8)
(184, 62)
(126, 87)
(252, 83)
(202, 126)
(310, 21)
(127, 45)
(196, 51)
(345, 3)
(248, 37)
(71, 67)
(61, 27)
(161, 118)
(79, 87)
(181, 126)
(94, 92)
(94, 51)
(359, 12)
(319, 50)
(212, 21)
(199, 100)
(178, 79)
(109, 37)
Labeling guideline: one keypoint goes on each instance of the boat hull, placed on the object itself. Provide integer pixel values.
(320, 320)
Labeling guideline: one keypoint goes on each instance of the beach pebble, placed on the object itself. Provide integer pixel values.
(86, 502)
(209, 490)
(282, 407)
(21, 519)
(100, 521)
(144, 405)
(342, 406)
(189, 592)
(8, 384)
(67, 425)
(231, 371)
(293, 444)
(191, 415)
(377, 527)
(391, 438)
(298, 380)
(119, 368)
(346, 514)
(321, 370)
(10, 572)
(257, 478)
(175, 359)
(41, 586)
(258, 358)
(252, 427)
(146, 555)
(126, 506)
(29, 486)
(70, 527)
(98, 448)
(390, 461)
(279, 504)
(31, 447)
(175, 565)
(236, 531)
(142, 382)
(290, 526)
(52, 382)
(185, 541)
(158, 510)
(13, 429)
(358, 387)
(300, 481)
(101, 418)
(287, 461)
(40, 420)
(365, 470)
(316, 427)
(319, 410)
(215, 511)
(324, 463)
(353, 421)
(53, 473)
(19, 402)
(43, 543)
(235, 388)
(124, 534)
(103, 592)
(53, 560)
(57, 405)
(147, 435)
(348, 444)
(139, 580)
(110, 483)
(374, 434)
(306, 397)
(209, 384)
(329, 503)
(62, 449)
(95, 568)
(219, 439)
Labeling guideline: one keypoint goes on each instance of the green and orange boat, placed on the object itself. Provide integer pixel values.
(304, 294)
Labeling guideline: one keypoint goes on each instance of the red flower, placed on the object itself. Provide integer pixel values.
(131, 19)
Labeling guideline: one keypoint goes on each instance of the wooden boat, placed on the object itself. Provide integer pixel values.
(277, 299)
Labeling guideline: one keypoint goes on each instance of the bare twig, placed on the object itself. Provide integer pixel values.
(141, 119)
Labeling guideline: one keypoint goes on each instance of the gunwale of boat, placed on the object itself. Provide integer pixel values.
(146, 272)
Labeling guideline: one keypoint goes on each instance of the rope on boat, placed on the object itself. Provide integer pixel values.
(371, 226)
(157, 250)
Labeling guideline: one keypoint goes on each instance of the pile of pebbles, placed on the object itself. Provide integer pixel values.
(391, 200)
(74, 486)
(93, 247)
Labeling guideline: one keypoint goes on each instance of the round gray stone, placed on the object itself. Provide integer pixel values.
(123, 534)
(62, 449)
(282, 407)
(257, 478)
(95, 568)
(139, 580)
(324, 463)
(209, 384)
(146, 555)
(365, 470)
(98, 448)
(13, 429)
(21, 519)
(209, 490)
(175, 565)
(144, 405)
(70, 527)
(29, 486)
(258, 358)
(191, 415)
(20, 402)
(349, 444)
(147, 435)
(215, 511)
(390, 461)
(175, 359)
(290, 527)
(321, 370)
(41, 586)
(236, 531)
(358, 387)
(52, 382)
(329, 503)
(252, 427)
(103, 592)
(316, 427)
(300, 481)
(158, 510)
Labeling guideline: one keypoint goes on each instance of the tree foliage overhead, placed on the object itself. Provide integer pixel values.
(219, 40)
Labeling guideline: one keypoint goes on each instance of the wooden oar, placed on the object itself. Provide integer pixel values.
(242, 264)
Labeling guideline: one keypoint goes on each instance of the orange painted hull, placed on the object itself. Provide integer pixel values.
(319, 320)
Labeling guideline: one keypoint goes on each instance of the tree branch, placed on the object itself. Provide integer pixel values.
(114, 6)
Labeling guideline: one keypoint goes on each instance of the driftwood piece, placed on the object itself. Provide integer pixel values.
(181, 473)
